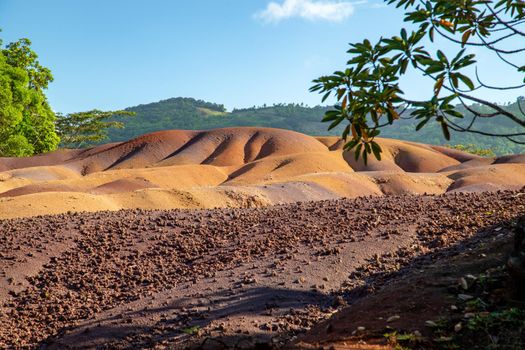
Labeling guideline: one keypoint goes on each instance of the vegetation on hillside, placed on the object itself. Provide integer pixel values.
(473, 149)
(191, 114)
(188, 113)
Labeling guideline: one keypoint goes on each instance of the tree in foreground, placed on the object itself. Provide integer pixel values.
(369, 92)
(77, 130)
(27, 123)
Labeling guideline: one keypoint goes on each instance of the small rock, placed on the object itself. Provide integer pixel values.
(463, 283)
(465, 297)
(393, 318)
(431, 324)
(339, 301)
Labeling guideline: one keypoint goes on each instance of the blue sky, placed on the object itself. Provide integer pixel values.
(112, 54)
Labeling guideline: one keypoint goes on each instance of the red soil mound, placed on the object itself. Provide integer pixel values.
(238, 167)
(47, 159)
(123, 185)
(514, 158)
(37, 188)
(219, 147)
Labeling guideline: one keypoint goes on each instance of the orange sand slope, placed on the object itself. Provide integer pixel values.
(237, 167)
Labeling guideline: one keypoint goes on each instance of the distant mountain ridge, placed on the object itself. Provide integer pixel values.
(192, 114)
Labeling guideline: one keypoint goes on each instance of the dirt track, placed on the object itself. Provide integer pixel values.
(222, 277)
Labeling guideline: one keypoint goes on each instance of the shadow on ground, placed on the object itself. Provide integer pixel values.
(180, 324)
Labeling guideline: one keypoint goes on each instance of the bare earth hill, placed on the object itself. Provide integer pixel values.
(237, 167)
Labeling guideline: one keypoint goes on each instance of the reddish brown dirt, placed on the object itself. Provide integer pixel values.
(237, 167)
(225, 278)
(48, 159)
(123, 185)
(432, 293)
(33, 188)
(219, 147)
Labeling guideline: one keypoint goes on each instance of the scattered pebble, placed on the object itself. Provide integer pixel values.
(393, 318)
(431, 324)
(465, 297)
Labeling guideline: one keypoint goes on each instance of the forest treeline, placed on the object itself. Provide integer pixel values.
(189, 113)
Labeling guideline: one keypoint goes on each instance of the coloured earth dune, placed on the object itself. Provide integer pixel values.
(237, 167)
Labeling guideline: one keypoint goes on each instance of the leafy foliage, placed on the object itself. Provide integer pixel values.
(194, 330)
(369, 91)
(81, 129)
(473, 149)
(26, 120)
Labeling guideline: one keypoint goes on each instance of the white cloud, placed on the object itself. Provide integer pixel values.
(328, 10)
(378, 5)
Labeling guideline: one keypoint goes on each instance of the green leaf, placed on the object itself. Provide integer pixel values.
(454, 113)
(434, 68)
(422, 124)
(466, 80)
(326, 96)
(458, 56)
(376, 149)
(357, 151)
(331, 115)
(351, 144)
(346, 131)
(465, 37)
(446, 132)
(404, 34)
(454, 78)
(442, 57)
(336, 123)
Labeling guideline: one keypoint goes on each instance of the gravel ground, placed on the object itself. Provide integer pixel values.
(221, 278)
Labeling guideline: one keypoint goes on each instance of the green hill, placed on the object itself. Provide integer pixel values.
(192, 114)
